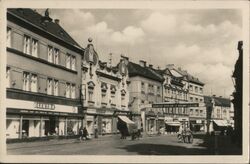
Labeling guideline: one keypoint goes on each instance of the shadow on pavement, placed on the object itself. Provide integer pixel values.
(161, 149)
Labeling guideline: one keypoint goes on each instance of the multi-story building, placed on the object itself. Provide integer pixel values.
(43, 76)
(175, 90)
(105, 94)
(197, 115)
(145, 89)
(220, 116)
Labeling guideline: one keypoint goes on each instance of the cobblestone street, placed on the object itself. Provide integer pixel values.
(113, 145)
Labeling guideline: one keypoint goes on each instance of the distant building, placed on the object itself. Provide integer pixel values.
(220, 116)
(144, 90)
(104, 92)
(43, 76)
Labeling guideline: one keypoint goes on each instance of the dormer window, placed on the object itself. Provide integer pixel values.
(104, 87)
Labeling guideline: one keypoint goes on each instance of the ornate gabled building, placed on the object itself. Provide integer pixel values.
(43, 76)
(104, 92)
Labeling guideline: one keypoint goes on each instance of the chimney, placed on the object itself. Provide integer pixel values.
(142, 63)
(57, 21)
(158, 67)
(150, 65)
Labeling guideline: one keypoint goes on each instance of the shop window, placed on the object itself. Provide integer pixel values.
(26, 81)
(56, 87)
(8, 77)
(56, 56)
(34, 83)
(73, 91)
(34, 51)
(67, 90)
(73, 62)
(49, 86)
(8, 40)
(50, 54)
(26, 45)
(68, 60)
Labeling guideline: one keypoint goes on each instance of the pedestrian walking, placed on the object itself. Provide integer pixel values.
(189, 135)
(85, 133)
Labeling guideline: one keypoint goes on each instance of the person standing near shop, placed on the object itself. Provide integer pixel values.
(96, 131)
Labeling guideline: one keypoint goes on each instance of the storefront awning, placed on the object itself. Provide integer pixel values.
(221, 123)
(175, 123)
(126, 119)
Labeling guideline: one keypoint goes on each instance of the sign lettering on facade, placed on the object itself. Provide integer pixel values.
(40, 105)
(174, 105)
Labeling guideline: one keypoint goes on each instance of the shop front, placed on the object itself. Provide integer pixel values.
(26, 119)
(197, 125)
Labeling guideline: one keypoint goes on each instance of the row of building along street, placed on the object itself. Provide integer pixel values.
(55, 87)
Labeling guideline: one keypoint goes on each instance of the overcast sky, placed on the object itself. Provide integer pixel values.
(203, 42)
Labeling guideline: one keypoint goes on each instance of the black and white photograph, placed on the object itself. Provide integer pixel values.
(125, 81)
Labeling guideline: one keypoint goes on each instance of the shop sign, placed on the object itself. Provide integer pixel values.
(198, 121)
(41, 105)
(173, 105)
(183, 119)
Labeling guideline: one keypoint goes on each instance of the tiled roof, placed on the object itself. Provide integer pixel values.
(137, 70)
(219, 101)
(189, 77)
(51, 27)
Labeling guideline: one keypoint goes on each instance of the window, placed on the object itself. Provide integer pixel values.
(67, 90)
(68, 61)
(201, 100)
(34, 48)
(190, 87)
(196, 99)
(191, 112)
(50, 54)
(123, 100)
(201, 112)
(201, 90)
(90, 91)
(73, 62)
(56, 87)
(8, 77)
(34, 83)
(26, 81)
(197, 112)
(49, 86)
(196, 89)
(191, 98)
(158, 90)
(73, 91)
(218, 113)
(142, 87)
(56, 56)
(8, 40)
(26, 45)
